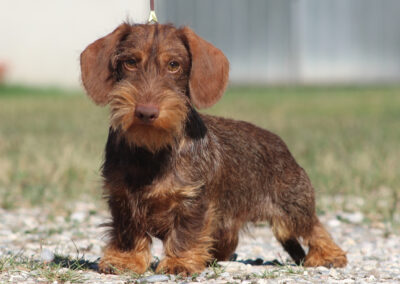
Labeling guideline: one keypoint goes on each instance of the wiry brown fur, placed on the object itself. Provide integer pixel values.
(192, 180)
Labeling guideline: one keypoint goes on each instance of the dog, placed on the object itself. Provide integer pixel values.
(189, 179)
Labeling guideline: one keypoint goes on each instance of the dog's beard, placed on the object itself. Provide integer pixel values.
(164, 131)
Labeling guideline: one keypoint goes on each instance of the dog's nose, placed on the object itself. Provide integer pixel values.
(146, 113)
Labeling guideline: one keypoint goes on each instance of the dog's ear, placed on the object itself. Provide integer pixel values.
(96, 65)
(209, 72)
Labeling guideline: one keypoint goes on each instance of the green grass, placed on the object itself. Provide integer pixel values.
(282, 270)
(217, 270)
(347, 139)
(47, 272)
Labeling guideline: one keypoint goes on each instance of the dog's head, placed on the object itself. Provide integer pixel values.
(151, 76)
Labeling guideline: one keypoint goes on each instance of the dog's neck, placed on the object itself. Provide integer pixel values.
(141, 165)
(194, 127)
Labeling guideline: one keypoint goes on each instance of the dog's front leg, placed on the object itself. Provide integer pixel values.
(116, 260)
(188, 245)
(129, 246)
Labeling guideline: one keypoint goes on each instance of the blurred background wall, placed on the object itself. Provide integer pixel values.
(298, 41)
(41, 40)
(266, 41)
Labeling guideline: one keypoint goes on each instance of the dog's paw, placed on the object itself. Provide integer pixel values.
(106, 268)
(335, 259)
(179, 266)
(117, 262)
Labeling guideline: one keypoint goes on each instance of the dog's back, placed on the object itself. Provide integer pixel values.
(259, 171)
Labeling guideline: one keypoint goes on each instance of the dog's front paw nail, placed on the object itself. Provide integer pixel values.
(106, 268)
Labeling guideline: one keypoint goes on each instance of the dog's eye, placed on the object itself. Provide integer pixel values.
(130, 64)
(173, 66)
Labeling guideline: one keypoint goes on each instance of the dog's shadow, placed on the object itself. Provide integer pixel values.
(75, 264)
(257, 261)
(83, 264)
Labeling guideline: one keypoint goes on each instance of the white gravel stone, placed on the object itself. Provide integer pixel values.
(16, 278)
(78, 217)
(356, 217)
(154, 278)
(47, 255)
(333, 273)
(334, 223)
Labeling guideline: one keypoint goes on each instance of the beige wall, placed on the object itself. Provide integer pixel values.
(40, 40)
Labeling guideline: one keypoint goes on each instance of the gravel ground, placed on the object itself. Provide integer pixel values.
(38, 247)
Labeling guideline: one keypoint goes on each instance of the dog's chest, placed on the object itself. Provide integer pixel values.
(160, 216)
(165, 201)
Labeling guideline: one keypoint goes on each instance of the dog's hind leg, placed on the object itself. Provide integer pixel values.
(288, 238)
(294, 249)
(323, 251)
(294, 219)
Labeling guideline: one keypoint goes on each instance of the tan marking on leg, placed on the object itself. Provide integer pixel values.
(117, 261)
(323, 251)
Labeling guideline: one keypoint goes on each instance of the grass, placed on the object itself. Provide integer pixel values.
(277, 272)
(217, 270)
(16, 264)
(347, 138)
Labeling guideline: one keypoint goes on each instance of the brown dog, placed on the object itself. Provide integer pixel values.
(189, 179)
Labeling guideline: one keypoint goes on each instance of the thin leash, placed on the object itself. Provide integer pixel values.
(152, 17)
